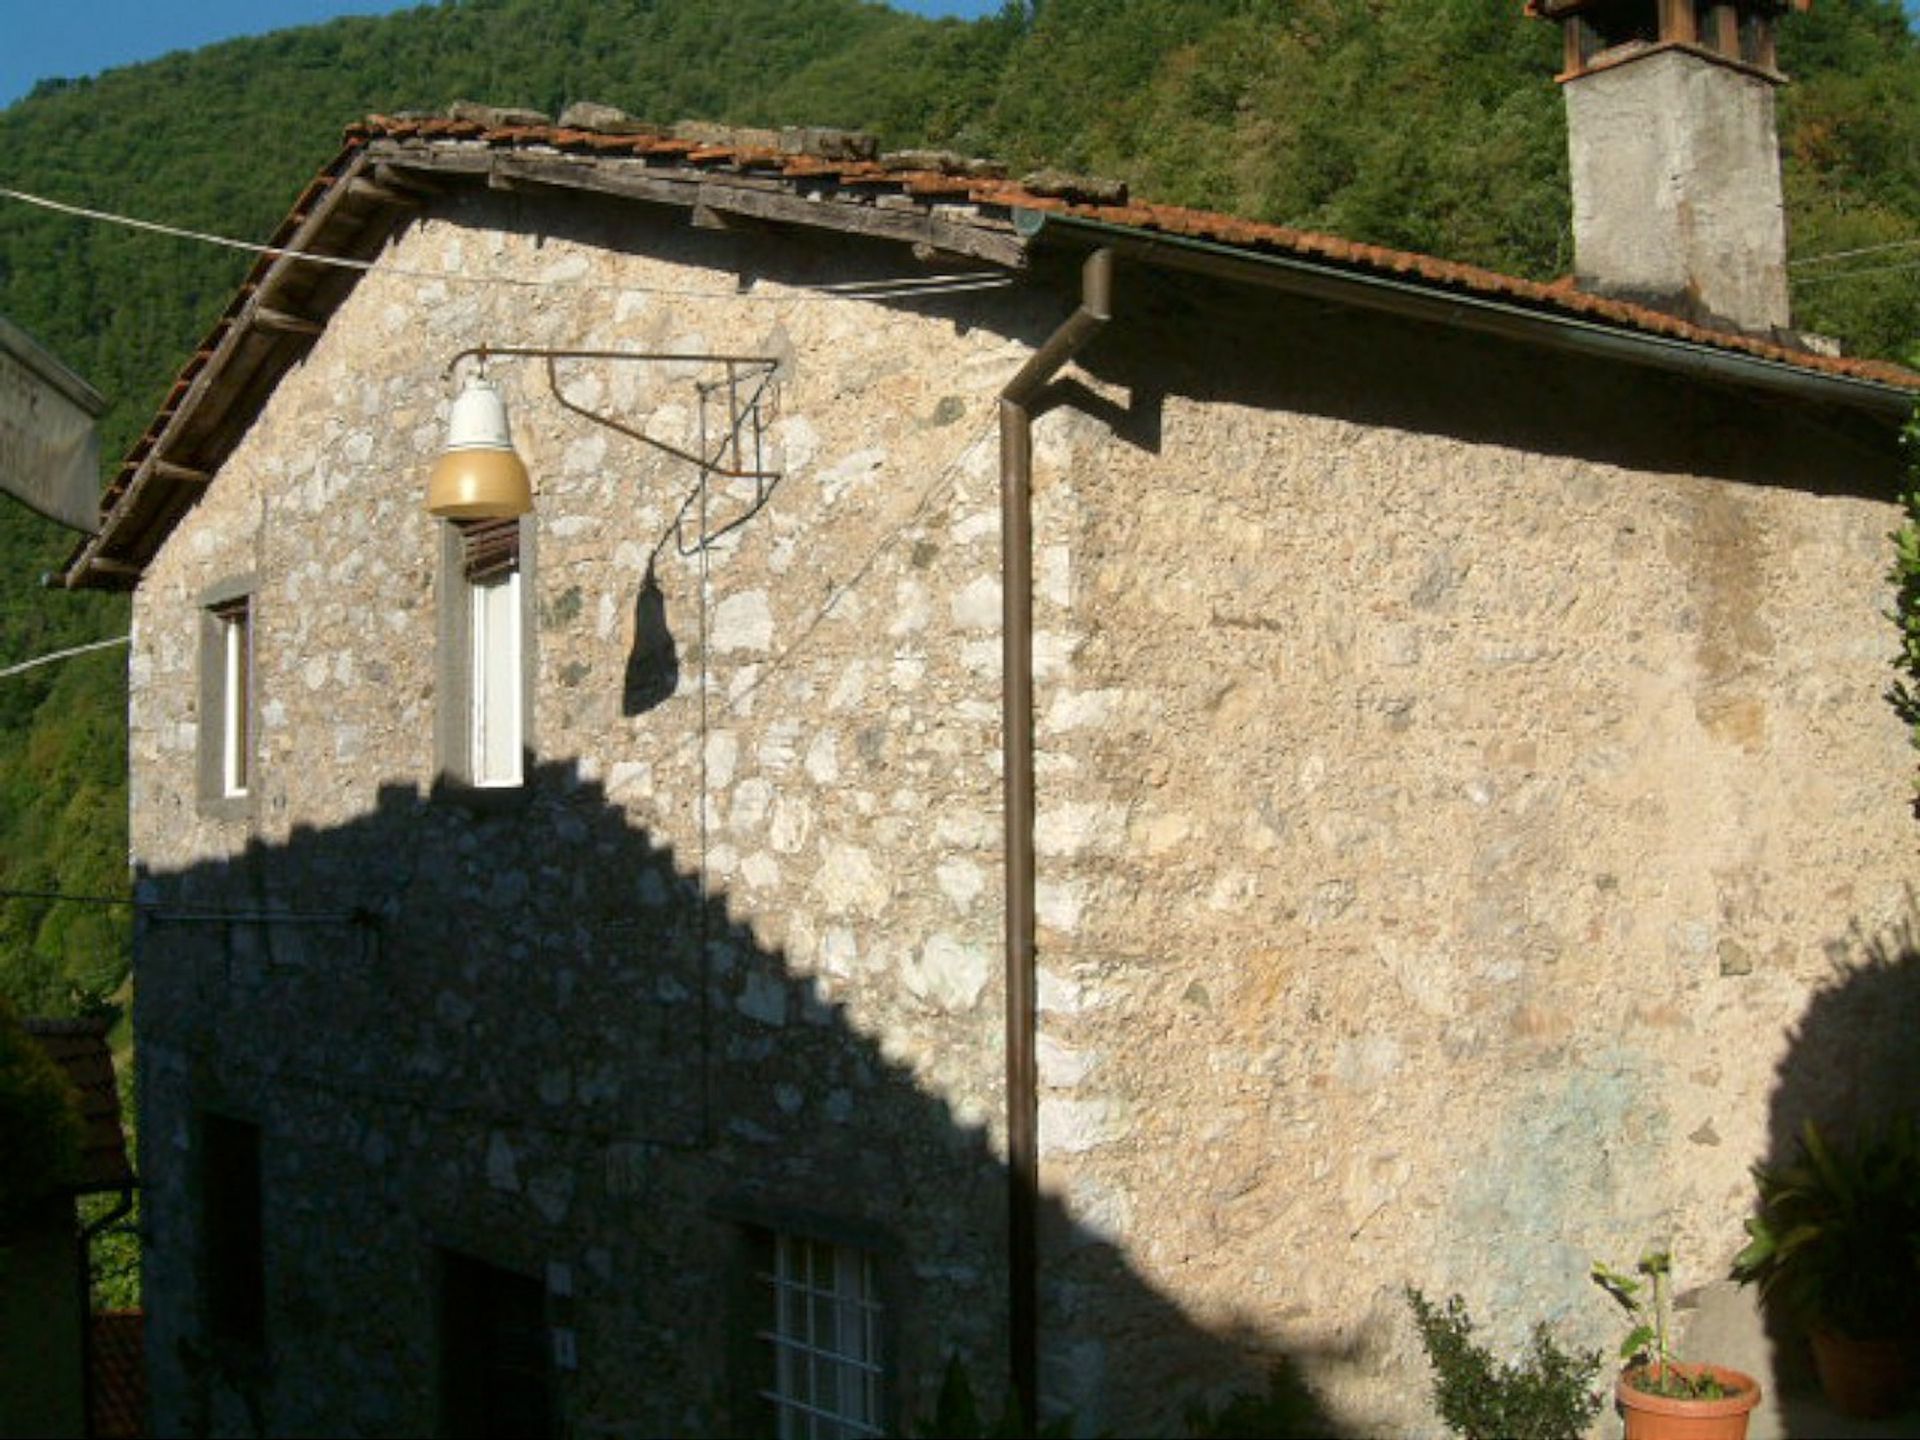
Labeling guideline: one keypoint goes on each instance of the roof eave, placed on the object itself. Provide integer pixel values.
(1541, 326)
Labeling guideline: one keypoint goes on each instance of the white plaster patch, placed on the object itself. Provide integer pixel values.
(851, 688)
(1366, 1062)
(1073, 1127)
(1061, 1066)
(850, 472)
(977, 606)
(760, 870)
(960, 881)
(1083, 709)
(823, 760)
(779, 745)
(630, 780)
(911, 608)
(743, 622)
(752, 800)
(798, 442)
(981, 525)
(1074, 828)
(849, 880)
(1055, 575)
(1424, 978)
(1059, 994)
(792, 823)
(1053, 654)
(948, 973)
(967, 830)
(1056, 904)
(839, 951)
(722, 751)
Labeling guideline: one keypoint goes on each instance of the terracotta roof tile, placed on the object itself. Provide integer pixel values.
(824, 161)
(79, 1048)
(119, 1391)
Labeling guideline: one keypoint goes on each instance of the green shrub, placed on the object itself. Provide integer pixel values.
(1904, 693)
(1548, 1395)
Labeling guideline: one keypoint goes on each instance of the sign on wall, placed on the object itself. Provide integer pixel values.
(49, 444)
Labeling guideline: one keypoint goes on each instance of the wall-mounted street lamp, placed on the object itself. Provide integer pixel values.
(480, 476)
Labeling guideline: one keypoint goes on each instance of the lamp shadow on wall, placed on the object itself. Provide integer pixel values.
(1852, 1064)
(512, 998)
(653, 665)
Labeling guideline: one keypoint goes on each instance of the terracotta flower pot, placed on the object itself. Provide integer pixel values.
(1660, 1417)
(1863, 1378)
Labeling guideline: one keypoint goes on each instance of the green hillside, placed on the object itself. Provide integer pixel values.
(1428, 124)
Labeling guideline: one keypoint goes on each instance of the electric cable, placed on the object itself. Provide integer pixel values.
(39, 660)
(897, 287)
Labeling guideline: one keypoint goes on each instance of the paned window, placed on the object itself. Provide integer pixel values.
(821, 1335)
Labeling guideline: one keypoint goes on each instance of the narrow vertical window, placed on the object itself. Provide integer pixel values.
(821, 1330)
(235, 620)
(483, 645)
(495, 620)
(227, 764)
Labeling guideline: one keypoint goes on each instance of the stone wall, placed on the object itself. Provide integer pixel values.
(1454, 767)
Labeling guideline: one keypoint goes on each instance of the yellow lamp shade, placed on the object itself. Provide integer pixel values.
(479, 476)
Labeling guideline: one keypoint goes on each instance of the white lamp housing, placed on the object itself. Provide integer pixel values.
(479, 476)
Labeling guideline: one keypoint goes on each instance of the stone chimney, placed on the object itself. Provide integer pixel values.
(1675, 157)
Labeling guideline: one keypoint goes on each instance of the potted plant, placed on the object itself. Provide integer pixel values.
(1836, 1242)
(1661, 1398)
(1545, 1394)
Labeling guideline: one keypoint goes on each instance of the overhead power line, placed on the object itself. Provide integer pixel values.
(39, 660)
(1850, 254)
(897, 287)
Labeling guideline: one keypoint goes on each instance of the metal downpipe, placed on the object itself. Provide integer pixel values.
(1017, 780)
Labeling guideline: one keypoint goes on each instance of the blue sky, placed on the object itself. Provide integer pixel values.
(42, 40)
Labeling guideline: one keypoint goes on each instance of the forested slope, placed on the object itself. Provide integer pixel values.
(1428, 124)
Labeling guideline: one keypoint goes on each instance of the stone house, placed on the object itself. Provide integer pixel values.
(1085, 786)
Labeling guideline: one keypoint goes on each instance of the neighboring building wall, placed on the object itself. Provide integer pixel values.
(43, 1390)
(1454, 767)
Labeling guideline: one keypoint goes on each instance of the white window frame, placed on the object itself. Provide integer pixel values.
(483, 722)
(495, 734)
(235, 620)
(228, 763)
(825, 1371)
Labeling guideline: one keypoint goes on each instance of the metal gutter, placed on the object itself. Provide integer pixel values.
(1426, 301)
(1017, 781)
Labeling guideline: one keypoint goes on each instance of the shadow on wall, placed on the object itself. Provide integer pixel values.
(1852, 1064)
(501, 1048)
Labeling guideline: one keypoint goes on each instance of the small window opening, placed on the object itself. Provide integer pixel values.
(496, 1371)
(232, 1231)
(235, 622)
